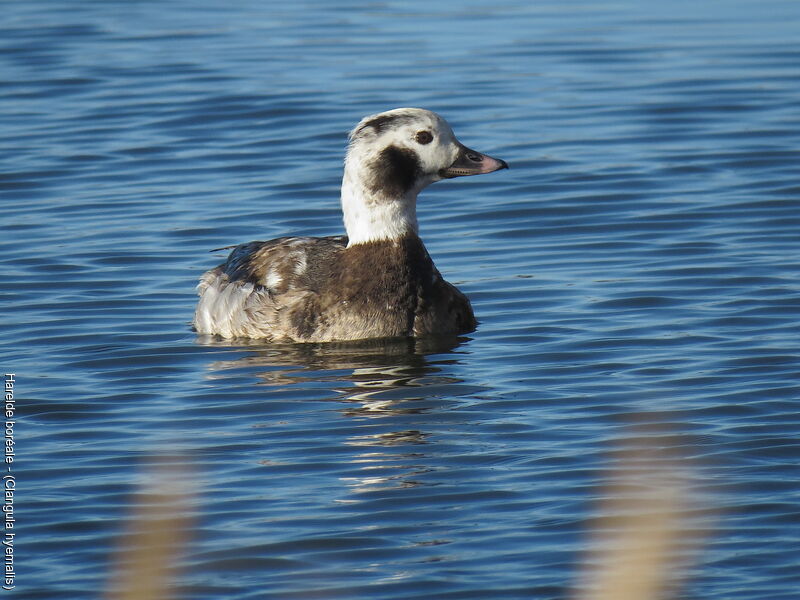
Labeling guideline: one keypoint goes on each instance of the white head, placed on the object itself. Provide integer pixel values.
(392, 156)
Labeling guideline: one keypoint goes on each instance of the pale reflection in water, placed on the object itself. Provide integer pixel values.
(375, 463)
(372, 367)
(379, 379)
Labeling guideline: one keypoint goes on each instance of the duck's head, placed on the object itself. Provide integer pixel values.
(392, 156)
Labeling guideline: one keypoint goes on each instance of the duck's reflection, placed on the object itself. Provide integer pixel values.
(381, 468)
(376, 376)
(374, 379)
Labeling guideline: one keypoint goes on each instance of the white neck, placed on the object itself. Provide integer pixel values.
(368, 218)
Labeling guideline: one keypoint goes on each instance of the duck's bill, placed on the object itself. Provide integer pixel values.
(469, 162)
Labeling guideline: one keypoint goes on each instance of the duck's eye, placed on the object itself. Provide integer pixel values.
(424, 137)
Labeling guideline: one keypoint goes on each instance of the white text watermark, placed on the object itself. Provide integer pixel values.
(9, 482)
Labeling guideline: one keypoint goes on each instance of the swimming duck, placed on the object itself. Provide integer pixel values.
(378, 280)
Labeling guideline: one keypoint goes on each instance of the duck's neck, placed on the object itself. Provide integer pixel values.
(370, 217)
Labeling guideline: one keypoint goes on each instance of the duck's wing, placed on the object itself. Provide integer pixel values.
(245, 296)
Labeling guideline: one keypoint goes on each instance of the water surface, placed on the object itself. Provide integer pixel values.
(636, 274)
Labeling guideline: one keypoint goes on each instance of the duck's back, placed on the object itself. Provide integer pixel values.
(317, 289)
(250, 294)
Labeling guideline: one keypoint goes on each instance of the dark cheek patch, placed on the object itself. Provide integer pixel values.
(394, 171)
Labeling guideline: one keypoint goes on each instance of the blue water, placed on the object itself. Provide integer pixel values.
(636, 275)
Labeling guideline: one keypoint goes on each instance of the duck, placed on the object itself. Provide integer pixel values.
(378, 280)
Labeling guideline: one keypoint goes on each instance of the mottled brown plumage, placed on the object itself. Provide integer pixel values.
(388, 288)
